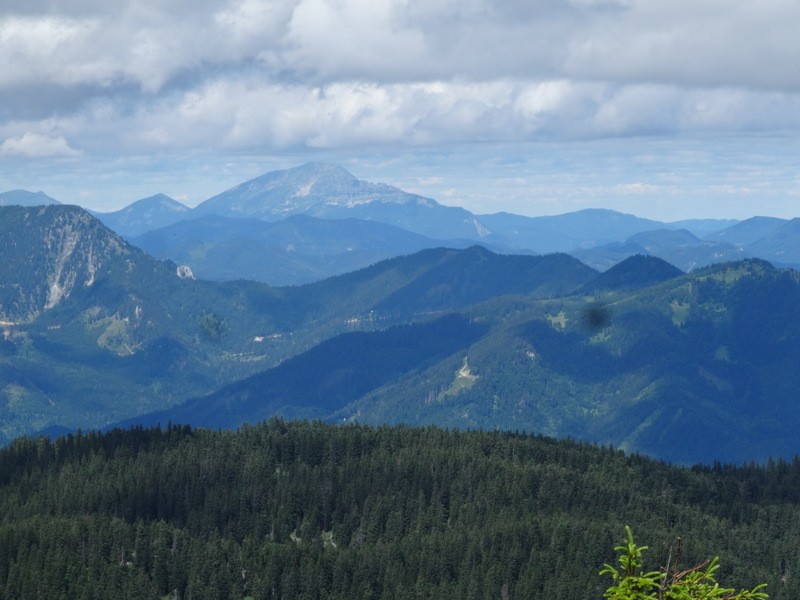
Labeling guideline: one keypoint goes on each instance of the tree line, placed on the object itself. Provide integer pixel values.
(306, 510)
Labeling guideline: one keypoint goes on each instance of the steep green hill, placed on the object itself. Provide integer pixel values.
(696, 368)
(94, 329)
(634, 273)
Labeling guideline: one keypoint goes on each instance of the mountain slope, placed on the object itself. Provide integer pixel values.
(295, 250)
(678, 247)
(144, 215)
(747, 232)
(329, 191)
(663, 367)
(476, 274)
(561, 233)
(695, 368)
(702, 228)
(780, 245)
(94, 330)
(327, 377)
(48, 253)
(633, 273)
(25, 198)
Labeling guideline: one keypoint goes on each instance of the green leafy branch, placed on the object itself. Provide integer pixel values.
(631, 582)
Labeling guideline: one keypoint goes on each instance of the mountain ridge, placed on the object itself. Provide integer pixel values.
(296, 250)
(144, 215)
(600, 237)
(97, 330)
(641, 367)
(26, 198)
(329, 191)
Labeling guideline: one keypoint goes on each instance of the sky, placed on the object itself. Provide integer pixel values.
(667, 109)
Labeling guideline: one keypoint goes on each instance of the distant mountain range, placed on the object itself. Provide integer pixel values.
(317, 220)
(679, 247)
(145, 215)
(685, 367)
(25, 198)
(298, 249)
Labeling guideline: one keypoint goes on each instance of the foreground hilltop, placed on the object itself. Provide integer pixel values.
(311, 511)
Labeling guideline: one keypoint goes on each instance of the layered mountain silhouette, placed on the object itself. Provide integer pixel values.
(329, 191)
(318, 220)
(680, 247)
(687, 367)
(94, 329)
(295, 250)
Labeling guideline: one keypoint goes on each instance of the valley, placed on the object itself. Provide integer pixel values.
(641, 356)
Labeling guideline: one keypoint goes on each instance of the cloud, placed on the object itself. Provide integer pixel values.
(246, 113)
(230, 78)
(355, 38)
(36, 145)
(638, 188)
(692, 43)
(156, 44)
(46, 48)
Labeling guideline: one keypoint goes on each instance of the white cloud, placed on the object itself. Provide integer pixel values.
(740, 43)
(355, 38)
(246, 113)
(36, 145)
(46, 48)
(134, 78)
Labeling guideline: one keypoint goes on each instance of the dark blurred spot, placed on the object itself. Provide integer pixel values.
(596, 317)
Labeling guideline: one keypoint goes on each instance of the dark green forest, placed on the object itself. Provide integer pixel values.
(306, 510)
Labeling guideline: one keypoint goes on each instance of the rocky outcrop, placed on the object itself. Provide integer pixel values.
(47, 252)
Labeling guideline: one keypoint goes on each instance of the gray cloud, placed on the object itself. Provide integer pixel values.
(683, 42)
(138, 52)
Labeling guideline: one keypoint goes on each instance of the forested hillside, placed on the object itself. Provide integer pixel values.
(683, 367)
(298, 510)
(93, 330)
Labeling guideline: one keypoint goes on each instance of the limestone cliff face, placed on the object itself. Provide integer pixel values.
(47, 253)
